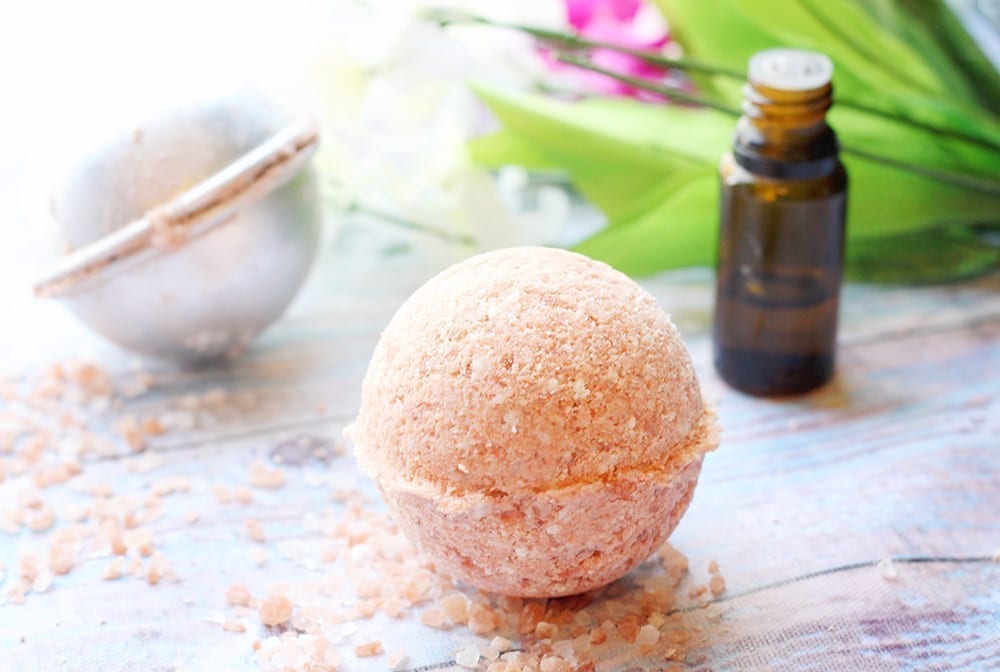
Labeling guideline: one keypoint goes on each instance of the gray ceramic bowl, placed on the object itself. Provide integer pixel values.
(192, 231)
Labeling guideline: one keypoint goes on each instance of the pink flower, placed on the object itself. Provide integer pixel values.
(630, 23)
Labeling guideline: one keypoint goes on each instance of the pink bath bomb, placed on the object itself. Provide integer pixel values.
(534, 422)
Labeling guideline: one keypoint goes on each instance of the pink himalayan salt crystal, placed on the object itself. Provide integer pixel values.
(456, 606)
(41, 519)
(61, 558)
(255, 530)
(555, 664)
(482, 619)
(113, 570)
(500, 644)
(157, 569)
(263, 476)
(368, 649)
(275, 609)
(647, 635)
(238, 594)
(467, 657)
(394, 607)
(433, 618)
(717, 585)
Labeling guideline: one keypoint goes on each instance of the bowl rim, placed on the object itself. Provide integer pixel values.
(207, 205)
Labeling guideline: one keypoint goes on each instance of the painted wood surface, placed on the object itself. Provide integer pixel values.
(898, 457)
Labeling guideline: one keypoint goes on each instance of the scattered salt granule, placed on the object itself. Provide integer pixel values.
(697, 591)
(242, 495)
(255, 530)
(887, 569)
(139, 540)
(151, 426)
(275, 609)
(294, 651)
(238, 594)
(531, 614)
(563, 648)
(168, 486)
(581, 644)
(157, 569)
(61, 557)
(115, 539)
(234, 626)
(15, 593)
(467, 657)
(368, 649)
(433, 618)
(482, 619)
(674, 562)
(456, 606)
(713, 567)
(500, 644)
(647, 635)
(263, 476)
(29, 566)
(113, 570)
(555, 664)
(628, 628)
(717, 585)
(394, 607)
(128, 427)
(41, 519)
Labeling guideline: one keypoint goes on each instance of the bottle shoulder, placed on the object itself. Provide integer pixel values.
(732, 174)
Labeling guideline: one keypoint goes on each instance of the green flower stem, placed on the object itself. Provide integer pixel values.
(974, 182)
(644, 84)
(571, 41)
(574, 42)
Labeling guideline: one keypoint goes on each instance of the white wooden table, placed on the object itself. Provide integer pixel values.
(898, 458)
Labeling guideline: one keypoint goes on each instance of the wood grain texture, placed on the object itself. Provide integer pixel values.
(899, 456)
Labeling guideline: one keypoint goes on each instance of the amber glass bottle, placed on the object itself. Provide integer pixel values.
(782, 231)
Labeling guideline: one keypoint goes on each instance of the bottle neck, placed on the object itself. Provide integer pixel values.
(783, 134)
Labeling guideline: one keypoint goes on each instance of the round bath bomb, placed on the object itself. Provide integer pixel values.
(534, 422)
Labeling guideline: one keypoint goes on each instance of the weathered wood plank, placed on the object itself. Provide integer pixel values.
(897, 457)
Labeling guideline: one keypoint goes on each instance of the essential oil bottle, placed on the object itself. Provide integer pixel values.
(781, 243)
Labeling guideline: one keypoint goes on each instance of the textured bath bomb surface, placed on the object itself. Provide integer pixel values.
(533, 421)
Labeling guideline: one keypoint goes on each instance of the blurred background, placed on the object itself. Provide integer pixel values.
(390, 90)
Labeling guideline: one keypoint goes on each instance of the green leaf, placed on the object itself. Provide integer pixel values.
(622, 156)
(502, 148)
(679, 231)
(865, 52)
(934, 31)
(875, 66)
(614, 129)
(936, 255)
